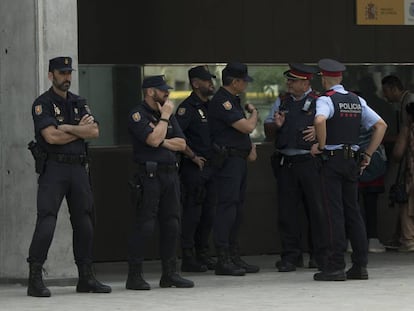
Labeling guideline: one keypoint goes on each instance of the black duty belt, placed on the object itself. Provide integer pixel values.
(68, 158)
(160, 168)
(346, 153)
(233, 152)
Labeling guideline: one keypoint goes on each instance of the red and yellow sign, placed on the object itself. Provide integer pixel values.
(385, 12)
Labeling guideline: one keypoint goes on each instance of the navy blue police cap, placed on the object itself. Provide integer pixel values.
(61, 63)
(300, 71)
(330, 67)
(237, 70)
(200, 72)
(157, 82)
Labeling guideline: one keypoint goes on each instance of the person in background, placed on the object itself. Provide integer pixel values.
(404, 151)
(196, 174)
(395, 93)
(371, 185)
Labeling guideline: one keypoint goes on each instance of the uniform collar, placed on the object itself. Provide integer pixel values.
(303, 96)
(58, 98)
(196, 100)
(235, 97)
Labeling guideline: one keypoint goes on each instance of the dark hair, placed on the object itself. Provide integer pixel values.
(410, 109)
(392, 81)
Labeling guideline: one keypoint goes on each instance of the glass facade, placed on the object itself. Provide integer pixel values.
(112, 90)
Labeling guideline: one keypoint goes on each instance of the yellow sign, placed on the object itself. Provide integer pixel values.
(385, 12)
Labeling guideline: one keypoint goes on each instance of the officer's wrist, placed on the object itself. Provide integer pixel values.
(193, 156)
(321, 149)
(161, 143)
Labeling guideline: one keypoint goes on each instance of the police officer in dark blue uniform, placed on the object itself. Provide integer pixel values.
(232, 148)
(196, 173)
(62, 122)
(339, 115)
(156, 137)
(297, 171)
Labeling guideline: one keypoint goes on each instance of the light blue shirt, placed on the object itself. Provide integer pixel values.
(325, 107)
(270, 118)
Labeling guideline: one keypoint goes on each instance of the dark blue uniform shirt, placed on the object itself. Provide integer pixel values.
(192, 117)
(141, 123)
(223, 110)
(51, 109)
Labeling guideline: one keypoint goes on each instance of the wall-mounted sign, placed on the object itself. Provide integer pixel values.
(385, 12)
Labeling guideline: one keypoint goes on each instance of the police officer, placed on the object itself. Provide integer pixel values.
(196, 173)
(232, 147)
(297, 171)
(156, 137)
(62, 122)
(338, 117)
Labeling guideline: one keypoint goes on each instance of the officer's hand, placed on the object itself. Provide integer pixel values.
(314, 150)
(200, 161)
(166, 109)
(366, 159)
(249, 108)
(309, 134)
(253, 154)
(86, 119)
(279, 118)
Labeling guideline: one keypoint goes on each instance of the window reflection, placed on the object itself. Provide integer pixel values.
(112, 90)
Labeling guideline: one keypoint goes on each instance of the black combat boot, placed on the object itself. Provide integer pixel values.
(225, 266)
(36, 288)
(170, 277)
(87, 282)
(135, 278)
(189, 263)
(204, 258)
(236, 259)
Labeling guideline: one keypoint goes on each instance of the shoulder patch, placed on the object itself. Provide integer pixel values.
(181, 111)
(136, 117)
(38, 109)
(227, 105)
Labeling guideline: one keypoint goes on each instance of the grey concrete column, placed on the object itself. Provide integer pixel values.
(31, 32)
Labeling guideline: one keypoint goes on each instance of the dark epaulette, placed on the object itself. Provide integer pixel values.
(314, 94)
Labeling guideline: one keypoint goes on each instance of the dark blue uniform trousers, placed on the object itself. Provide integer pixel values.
(199, 199)
(58, 181)
(231, 191)
(160, 199)
(299, 181)
(340, 188)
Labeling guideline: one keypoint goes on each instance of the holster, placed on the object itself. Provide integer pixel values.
(135, 188)
(39, 155)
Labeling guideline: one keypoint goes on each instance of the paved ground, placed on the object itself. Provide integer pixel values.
(390, 287)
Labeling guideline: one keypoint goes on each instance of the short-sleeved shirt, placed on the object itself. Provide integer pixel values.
(141, 122)
(224, 110)
(192, 116)
(50, 109)
(325, 107)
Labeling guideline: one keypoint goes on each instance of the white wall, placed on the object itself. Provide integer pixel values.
(31, 32)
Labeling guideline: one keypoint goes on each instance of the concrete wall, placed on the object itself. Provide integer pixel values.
(31, 32)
